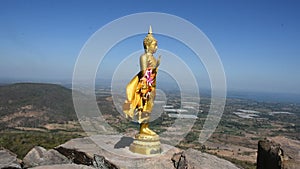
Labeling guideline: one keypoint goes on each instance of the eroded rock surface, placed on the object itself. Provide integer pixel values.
(193, 159)
(112, 152)
(39, 156)
(9, 160)
(101, 163)
(104, 149)
(64, 166)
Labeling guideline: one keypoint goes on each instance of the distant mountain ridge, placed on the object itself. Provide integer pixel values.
(35, 104)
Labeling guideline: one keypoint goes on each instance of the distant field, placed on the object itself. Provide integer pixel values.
(42, 114)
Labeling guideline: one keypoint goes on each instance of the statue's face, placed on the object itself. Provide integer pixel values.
(152, 47)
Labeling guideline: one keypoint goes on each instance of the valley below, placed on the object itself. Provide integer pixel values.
(43, 115)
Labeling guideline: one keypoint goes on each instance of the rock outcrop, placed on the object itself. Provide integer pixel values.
(64, 166)
(278, 153)
(83, 158)
(38, 156)
(193, 159)
(76, 156)
(115, 149)
(96, 148)
(9, 160)
(101, 163)
(110, 152)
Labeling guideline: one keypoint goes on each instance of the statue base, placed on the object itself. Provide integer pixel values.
(145, 144)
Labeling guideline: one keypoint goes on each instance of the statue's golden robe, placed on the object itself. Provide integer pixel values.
(140, 98)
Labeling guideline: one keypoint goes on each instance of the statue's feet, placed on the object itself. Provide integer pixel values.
(146, 131)
(151, 132)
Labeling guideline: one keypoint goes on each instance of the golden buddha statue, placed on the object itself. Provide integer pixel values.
(141, 90)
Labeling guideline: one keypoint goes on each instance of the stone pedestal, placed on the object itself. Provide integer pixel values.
(144, 144)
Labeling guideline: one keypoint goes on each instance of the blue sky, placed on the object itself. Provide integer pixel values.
(258, 42)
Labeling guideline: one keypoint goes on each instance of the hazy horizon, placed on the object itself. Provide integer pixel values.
(261, 96)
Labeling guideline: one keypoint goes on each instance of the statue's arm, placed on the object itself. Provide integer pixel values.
(143, 63)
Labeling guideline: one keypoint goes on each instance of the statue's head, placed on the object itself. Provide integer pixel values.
(150, 43)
